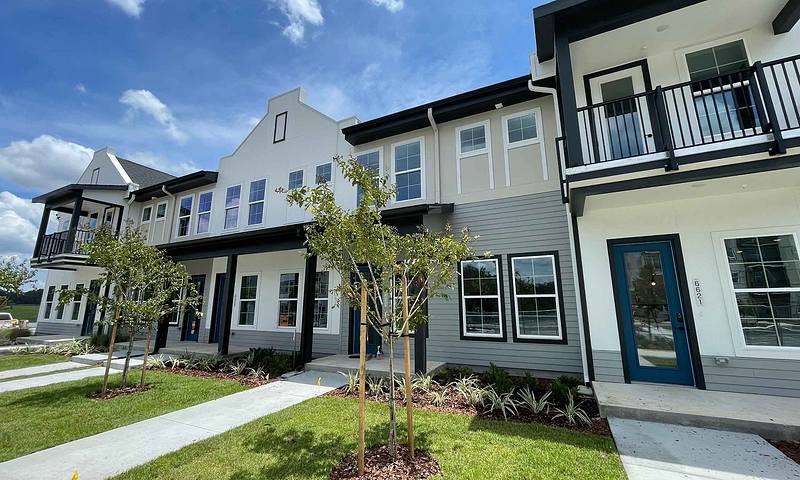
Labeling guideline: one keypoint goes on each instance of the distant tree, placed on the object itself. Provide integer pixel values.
(13, 275)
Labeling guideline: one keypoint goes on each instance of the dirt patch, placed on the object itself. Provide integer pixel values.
(790, 449)
(245, 380)
(119, 392)
(379, 465)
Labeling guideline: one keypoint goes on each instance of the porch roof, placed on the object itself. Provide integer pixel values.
(67, 193)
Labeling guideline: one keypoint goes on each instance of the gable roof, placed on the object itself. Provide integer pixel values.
(143, 175)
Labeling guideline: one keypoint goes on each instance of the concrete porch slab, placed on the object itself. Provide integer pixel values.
(769, 416)
(375, 366)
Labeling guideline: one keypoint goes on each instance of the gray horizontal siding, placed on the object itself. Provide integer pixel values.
(530, 223)
(58, 328)
(764, 376)
(608, 366)
(324, 344)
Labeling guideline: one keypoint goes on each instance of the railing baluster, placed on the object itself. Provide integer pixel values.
(790, 92)
(716, 111)
(677, 119)
(688, 115)
(727, 108)
(780, 96)
(598, 112)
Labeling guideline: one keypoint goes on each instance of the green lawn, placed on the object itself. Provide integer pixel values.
(24, 311)
(305, 441)
(22, 360)
(39, 418)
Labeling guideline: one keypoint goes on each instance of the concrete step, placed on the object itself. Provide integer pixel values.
(771, 417)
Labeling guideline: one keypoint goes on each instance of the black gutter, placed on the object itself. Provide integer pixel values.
(176, 185)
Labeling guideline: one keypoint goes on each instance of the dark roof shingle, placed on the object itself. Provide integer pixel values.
(143, 175)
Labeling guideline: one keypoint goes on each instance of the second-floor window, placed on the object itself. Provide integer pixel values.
(324, 173)
(255, 209)
(204, 212)
(185, 215)
(521, 128)
(472, 139)
(371, 161)
(295, 179)
(161, 211)
(408, 170)
(146, 213)
(232, 198)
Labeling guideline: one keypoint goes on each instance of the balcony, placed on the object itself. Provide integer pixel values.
(747, 111)
(68, 242)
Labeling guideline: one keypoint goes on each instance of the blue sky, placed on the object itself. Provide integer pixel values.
(178, 83)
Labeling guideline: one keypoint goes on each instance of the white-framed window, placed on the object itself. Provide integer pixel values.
(76, 303)
(407, 165)
(321, 289)
(323, 173)
(147, 213)
(481, 298)
(185, 215)
(255, 203)
(161, 211)
(248, 297)
(534, 284)
(295, 179)
(233, 195)
(204, 202)
(372, 160)
(60, 308)
(288, 292)
(473, 140)
(521, 129)
(48, 304)
(765, 276)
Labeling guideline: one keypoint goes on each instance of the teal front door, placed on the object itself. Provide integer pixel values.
(651, 314)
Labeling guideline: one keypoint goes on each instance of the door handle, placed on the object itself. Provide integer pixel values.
(679, 319)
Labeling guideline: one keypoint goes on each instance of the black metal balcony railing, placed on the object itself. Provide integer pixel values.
(761, 99)
(60, 243)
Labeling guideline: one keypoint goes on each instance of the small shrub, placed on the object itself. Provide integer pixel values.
(500, 402)
(528, 400)
(352, 381)
(260, 357)
(375, 386)
(572, 413)
(562, 388)
(10, 335)
(257, 373)
(237, 368)
(452, 373)
(531, 382)
(498, 378)
(424, 382)
(156, 362)
(439, 398)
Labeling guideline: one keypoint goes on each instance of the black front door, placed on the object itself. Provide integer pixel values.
(191, 321)
(91, 309)
(216, 308)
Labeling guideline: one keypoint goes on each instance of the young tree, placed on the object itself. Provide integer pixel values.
(358, 244)
(13, 275)
(145, 285)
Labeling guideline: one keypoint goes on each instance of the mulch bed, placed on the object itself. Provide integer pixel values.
(790, 449)
(379, 465)
(242, 379)
(119, 392)
(456, 404)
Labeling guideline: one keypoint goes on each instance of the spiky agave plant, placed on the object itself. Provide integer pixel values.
(529, 401)
(572, 412)
(500, 402)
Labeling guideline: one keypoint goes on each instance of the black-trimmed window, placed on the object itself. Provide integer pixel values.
(76, 302)
(185, 215)
(48, 304)
(279, 134)
(481, 299)
(536, 297)
(321, 288)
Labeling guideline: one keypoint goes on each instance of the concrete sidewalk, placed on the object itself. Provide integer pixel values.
(113, 452)
(39, 369)
(23, 383)
(658, 451)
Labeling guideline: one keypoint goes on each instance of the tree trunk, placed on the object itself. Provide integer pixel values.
(362, 380)
(131, 333)
(392, 399)
(111, 348)
(146, 352)
(407, 355)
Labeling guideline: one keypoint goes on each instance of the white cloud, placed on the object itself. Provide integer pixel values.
(132, 8)
(44, 163)
(300, 12)
(19, 225)
(79, 87)
(144, 101)
(393, 6)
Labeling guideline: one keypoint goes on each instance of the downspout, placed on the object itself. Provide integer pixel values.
(573, 258)
(437, 176)
(172, 220)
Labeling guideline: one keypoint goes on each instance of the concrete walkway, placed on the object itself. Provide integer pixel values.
(113, 452)
(39, 369)
(23, 383)
(658, 451)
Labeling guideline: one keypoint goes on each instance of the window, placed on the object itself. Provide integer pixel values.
(372, 161)
(95, 176)
(321, 288)
(204, 212)
(60, 308)
(295, 179)
(146, 213)
(93, 220)
(255, 212)
(765, 272)
(287, 303)
(248, 292)
(76, 302)
(185, 215)
(472, 139)
(324, 173)
(232, 198)
(279, 134)
(48, 305)
(521, 128)
(722, 98)
(481, 298)
(161, 211)
(408, 170)
(536, 303)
